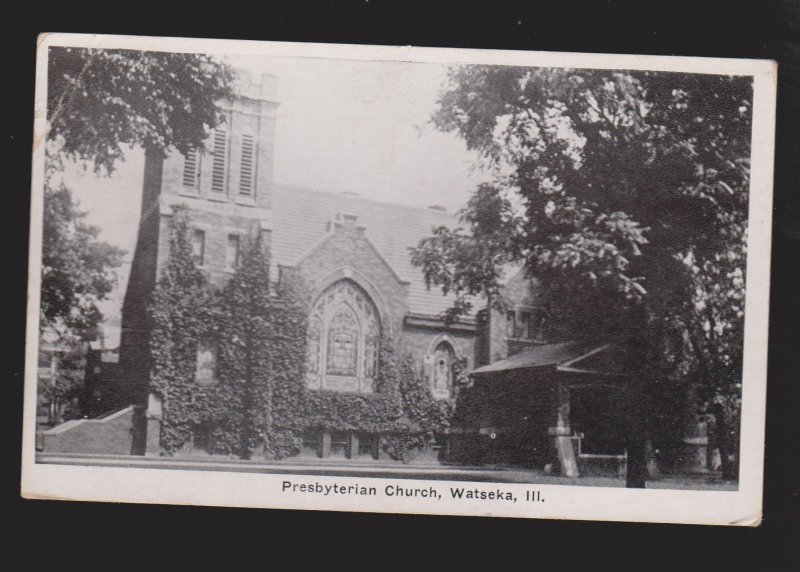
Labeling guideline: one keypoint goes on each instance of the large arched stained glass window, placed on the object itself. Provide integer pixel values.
(343, 336)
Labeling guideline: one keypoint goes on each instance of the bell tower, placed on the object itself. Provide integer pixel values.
(226, 186)
(226, 183)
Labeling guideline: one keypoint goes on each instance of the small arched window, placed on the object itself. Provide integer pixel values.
(205, 374)
(343, 337)
(442, 372)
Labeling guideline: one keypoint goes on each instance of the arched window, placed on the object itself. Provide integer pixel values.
(205, 373)
(343, 335)
(442, 373)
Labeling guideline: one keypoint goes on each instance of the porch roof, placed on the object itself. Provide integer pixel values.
(564, 356)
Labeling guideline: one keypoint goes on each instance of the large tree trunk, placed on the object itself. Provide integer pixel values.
(636, 475)
(636, 446)
(636, 437)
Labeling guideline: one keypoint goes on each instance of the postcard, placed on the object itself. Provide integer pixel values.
(399, 279)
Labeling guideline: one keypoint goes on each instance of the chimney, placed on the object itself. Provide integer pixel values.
(344, 220)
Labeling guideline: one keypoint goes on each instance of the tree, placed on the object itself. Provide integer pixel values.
(713, 333)
(77, 272)
(77, 269)
(99, 103)
(615, 190)
(60, 393)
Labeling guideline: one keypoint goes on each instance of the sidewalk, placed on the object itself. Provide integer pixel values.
(375, 469)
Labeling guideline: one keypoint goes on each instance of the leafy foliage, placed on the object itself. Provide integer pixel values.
(623, 193)
(61, 394)
(100, 101)
(182, 308)
(77, 269)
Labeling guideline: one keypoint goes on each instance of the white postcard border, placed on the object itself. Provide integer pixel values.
(189, 487)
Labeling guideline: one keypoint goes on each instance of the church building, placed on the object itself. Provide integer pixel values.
(354, 253)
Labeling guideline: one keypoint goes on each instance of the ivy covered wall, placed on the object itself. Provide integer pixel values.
(257, 404)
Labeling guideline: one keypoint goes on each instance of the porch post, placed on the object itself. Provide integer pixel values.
(562, 433)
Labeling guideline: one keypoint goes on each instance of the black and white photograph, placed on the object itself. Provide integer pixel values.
(399, 279)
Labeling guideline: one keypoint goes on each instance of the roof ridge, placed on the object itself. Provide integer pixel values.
(354, 195)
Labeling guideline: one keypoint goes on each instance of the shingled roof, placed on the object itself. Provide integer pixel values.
(539, 356)
(300, 220)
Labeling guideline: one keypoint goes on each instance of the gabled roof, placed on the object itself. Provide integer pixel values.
(300, 220)
(567, 356)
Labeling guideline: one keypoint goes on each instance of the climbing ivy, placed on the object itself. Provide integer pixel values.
(259, 404)
(284, 347)
(241, 400)
(424, 417)
(180, 311)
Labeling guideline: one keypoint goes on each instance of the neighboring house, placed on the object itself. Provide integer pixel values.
(101, 380)
(60, 368)
(354, 252)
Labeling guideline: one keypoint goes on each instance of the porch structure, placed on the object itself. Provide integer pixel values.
(553, 405)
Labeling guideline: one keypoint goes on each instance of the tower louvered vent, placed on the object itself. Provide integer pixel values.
(218, 167)
(191, 171)
(248, 162)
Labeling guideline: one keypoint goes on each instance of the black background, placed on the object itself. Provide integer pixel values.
(91, 535)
